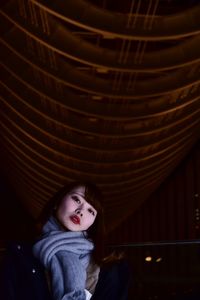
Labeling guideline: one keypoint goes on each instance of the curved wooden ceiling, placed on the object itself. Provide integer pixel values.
(98, 91)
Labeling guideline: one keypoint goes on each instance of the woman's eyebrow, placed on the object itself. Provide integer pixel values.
(78, 194)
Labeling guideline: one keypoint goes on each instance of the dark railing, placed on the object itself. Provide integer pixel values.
(164, 270)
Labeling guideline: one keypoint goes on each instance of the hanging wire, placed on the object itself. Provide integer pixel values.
(136, 14)
(153, 15)
(147, 15)
(130, 14)
(22, 9)
(127, 51)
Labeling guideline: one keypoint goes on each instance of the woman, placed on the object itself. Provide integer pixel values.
(70, 253)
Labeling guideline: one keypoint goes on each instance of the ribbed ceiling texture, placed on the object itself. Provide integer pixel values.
(102, 91)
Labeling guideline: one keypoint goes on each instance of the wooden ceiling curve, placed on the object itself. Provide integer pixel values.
(91, 93)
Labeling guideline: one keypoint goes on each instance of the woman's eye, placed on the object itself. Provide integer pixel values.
(75, 198)
(91, 211)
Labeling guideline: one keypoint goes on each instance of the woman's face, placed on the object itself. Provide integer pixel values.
(74, 212)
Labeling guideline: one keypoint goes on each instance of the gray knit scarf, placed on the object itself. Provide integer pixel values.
(66, 254)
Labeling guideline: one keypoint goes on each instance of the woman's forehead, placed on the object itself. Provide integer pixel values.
(80, 190)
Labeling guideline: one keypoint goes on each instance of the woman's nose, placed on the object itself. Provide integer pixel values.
(79, 212)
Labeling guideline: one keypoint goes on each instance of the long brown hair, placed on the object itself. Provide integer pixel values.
(96, 231)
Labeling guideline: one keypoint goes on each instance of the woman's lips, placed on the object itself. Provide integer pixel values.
(75, 219)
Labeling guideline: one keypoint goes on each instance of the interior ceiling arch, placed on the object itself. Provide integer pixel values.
(105, 91)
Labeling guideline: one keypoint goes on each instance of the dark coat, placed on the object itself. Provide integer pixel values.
(22, 275)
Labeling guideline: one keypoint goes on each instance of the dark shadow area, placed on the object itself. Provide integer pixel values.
(164, 271)
(15, 222)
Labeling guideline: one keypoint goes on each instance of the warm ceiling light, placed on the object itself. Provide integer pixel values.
(158, 259)
(148, 258)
